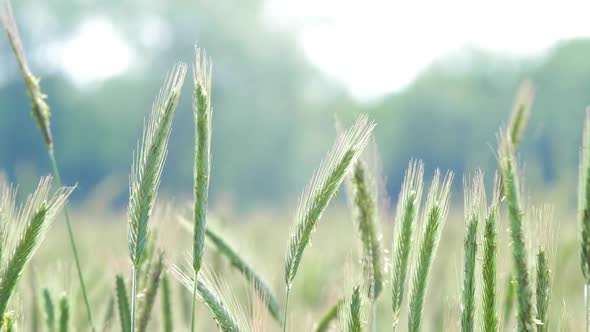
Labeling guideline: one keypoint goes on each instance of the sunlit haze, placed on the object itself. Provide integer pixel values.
(376, 46)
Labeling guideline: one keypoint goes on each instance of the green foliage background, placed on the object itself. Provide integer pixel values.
(271, 108)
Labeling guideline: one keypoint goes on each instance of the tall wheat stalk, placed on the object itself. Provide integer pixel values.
(363, 191)
(202, 114)
(584, 213)
(473, 195)
(435, 214)
(319, 192)
(41, 114)
(147, 170)
(329, 317)
(408, 207)
(511, 189)
(167, 318)
(28, 224)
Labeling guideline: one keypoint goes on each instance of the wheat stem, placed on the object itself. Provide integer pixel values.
(166, 305)
(72, 239)
(285, 316)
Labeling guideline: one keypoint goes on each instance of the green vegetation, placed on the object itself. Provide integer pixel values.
(418, 234)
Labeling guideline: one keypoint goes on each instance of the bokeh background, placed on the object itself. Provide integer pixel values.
(439, 78)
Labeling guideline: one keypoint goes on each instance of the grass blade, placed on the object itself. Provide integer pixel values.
(435, 215)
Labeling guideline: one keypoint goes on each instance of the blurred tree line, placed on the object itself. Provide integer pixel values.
(273, 114)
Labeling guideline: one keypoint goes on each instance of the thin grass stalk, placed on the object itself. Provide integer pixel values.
(262, 289)
(584, 210)
(64, 314)
(473, 196)
(329, 317)
(49, 310)
(41, 114)
(354, 318)
(150, 293)
(37, 216)
(319, 193)
(123, 304)
(167, 318)
(542, 291)
(202, 115)
(490, 253)
(408, 207)
(508, 169)
(435, 214)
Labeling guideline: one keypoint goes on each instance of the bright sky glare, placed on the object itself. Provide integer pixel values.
(95, 52)
(378, 46)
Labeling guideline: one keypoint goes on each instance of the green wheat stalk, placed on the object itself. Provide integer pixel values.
(167, 320)
(202, 115)
(408, 207)
(147, 170)
(508, 168)
(490, 253)
(64, 314)
(435, 215)
(123, 304)
(318, 194)
(31, 222)
(49, 310)
(584, 213)
(329, 317)
(41, 114)
(473, 193)
(150, 293)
